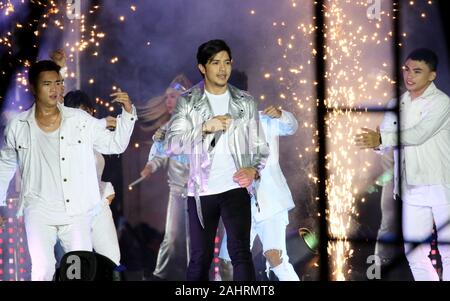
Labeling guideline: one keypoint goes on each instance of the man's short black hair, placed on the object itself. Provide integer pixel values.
(208, 50)
(39, 67)
(77, 98)
(425, 55)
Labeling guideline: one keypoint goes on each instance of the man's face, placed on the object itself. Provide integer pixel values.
(217, 70)
(49, 88)
(417, 75)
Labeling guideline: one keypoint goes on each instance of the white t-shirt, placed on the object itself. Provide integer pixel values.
(47, 198)
(223, 167)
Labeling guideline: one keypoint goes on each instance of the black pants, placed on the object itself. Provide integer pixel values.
(234, 208)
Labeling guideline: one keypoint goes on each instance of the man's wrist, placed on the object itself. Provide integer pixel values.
(205, 128)
(256, 173)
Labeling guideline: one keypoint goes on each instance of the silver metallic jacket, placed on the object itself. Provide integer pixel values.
(247, 144)
(177, 167)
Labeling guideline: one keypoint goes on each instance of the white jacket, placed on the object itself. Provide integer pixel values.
(425, 136)
(80, 135)
(272, 191)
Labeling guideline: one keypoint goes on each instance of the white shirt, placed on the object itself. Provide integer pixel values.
(425, 145)
(223, 167)
(46, 197)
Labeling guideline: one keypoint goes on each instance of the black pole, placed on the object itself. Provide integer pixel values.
(444, 10)
(321, 159)
(398, 77)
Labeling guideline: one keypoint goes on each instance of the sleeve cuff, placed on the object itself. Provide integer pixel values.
(152, 165)
(109, 189)
(387, 140)
(283, 117)
(130, 116)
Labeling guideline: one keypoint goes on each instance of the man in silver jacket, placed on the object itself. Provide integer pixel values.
(215, 125)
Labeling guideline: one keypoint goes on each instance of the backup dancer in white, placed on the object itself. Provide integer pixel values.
(274, 199)
(425, 165)
(54, 147)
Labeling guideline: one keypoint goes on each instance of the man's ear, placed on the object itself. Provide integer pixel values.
(433, 76)
(201, 68)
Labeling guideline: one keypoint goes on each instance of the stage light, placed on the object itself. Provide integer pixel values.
(310, 239)
(301, 246)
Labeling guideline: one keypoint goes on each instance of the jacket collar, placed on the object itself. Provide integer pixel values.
(30, 113)
(198, 94)
(428, 91)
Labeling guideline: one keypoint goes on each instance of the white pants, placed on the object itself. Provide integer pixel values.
(42, 238)
(389, 231)
(104, 235)
(417, 227)
(272, 233)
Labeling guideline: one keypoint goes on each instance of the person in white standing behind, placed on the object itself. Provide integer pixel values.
(274, 199)
(104, 233)
(54, 148)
